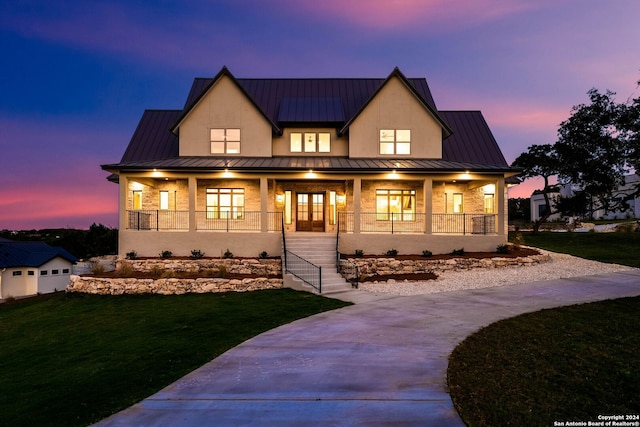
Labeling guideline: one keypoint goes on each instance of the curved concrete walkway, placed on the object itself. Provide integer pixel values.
(382, 361)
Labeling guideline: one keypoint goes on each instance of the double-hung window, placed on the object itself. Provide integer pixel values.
(395, 141)
(397, 205)
(310, 142)
(225, 203)
(225, 141)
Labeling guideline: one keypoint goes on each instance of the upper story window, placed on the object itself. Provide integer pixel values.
(310, 142)
(395, 141)
(225, 141)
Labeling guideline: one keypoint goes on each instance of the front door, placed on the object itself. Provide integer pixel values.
(310, 212)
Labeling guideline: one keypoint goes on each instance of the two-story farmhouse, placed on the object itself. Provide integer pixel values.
(370, 161)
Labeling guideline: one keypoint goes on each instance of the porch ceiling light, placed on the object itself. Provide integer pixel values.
(227, 174)
(392, 175)
(465, 175)
(489, 188)
(310, 174)
(156, 173)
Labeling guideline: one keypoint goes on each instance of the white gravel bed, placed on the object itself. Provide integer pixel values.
(558, 267)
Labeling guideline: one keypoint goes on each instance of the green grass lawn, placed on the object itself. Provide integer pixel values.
(618, 248)
(565, 364)
(74, 359)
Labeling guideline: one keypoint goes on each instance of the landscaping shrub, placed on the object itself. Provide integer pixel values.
(227, 254)
(197, 254)
(458, 251)
(392, 252)
(359, 253)
(166, 254)
(263, 255)
(131, 255)
(427, 253)
(97, 268)
(502, 249)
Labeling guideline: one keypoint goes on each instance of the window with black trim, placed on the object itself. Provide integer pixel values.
(310, 142)
(225, 141)
(399, 205)
(395, 141)
(225, 203)
(17, 273)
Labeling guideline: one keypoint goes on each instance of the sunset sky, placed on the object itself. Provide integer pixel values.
(77, 75)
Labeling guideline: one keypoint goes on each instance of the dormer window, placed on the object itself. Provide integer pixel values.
(310, 142)
(395, 141)
(225, 141)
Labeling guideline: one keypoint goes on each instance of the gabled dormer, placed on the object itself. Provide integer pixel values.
(224, 121)
(396, 122)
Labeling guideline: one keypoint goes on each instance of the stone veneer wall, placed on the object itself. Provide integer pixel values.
(266, 267)
(112, 286)
(171, 286)
(176, 286)
(386, 266)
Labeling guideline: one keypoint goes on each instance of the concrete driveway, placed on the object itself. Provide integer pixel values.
(380, 362)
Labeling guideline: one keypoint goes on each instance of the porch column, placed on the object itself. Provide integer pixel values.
(357, 187)
(428, 204)
(193, 186)
(123, 190)
(264, 197)
(501, 208)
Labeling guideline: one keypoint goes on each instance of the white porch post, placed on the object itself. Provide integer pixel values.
(357, 187)
(193, 186)
(123, 190)
(264, 196)
(500, 190)
(428, 205)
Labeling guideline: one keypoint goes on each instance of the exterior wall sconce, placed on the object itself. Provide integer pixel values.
(279, 199)
(340, 198)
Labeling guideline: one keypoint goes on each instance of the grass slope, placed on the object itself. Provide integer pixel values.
(567, 364)
(618, 248)
(75, 359)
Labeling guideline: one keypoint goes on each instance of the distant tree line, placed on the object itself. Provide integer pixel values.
(98, 240)
(597, 146)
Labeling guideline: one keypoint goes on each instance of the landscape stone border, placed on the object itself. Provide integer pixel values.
(266, 267)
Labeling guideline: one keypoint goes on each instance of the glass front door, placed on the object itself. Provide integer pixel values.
(310, 212)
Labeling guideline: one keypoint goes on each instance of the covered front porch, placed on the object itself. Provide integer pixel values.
(354, 207)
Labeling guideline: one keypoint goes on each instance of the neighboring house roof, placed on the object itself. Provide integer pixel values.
(30, 254)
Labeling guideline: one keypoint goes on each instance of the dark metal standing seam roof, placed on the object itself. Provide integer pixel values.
(268, 94)
(472, 140)
(471, 146)
(152, 138)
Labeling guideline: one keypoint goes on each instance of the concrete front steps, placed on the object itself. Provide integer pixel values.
(318, 249)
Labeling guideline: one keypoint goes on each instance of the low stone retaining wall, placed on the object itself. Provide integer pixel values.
(172, 286)
(386, 266)
(266, 267)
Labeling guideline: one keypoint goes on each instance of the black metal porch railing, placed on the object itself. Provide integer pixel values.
(157, 220)
(384, 223)
(304, 270)
(464, 223)
(222, 221)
